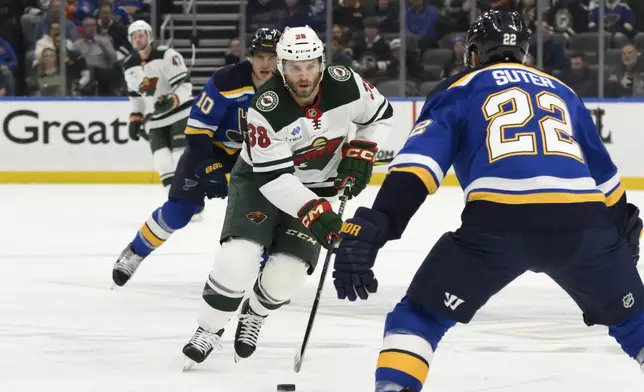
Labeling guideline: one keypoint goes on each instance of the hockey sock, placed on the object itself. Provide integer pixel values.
(235, 268)
(164, 164)
(281, 277)
(630, 335)
(164, 221)
(411, 337)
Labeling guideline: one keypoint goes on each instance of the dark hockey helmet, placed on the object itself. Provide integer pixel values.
(265, 40)
(497, 36)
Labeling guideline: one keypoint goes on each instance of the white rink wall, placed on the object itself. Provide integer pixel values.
(86, 140)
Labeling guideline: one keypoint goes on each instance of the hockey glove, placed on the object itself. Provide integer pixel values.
(633, 231)
(358, 157)
(212, 177)
(318, 216)
(361, 238)
(135, 129)
(165, 103)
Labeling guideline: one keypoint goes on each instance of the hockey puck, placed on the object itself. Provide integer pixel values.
(285, 387)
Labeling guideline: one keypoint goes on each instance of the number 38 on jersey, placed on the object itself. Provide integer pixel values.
(508, 113)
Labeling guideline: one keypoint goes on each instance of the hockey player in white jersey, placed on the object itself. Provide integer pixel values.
(158, 85)
(296, 154)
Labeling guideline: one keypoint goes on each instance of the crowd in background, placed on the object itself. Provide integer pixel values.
(95, 39)
(365, 36)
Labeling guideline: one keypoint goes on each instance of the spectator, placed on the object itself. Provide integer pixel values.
(528, 11)
(457, 14)
(3, 91)
(458, 63)
(554, 54)
(529, 60)
(422, 21)
(108, 27)
(387, 15)
(317, 15)
(349, 13)
(233, 52)
(264, 13)
(29, 20)
(8, 63)
(79, 77)
(340, 55)
(120, 15)
(46, 80)
(580, 77)
(372, 53)
(78, 10)
(297, 14)
(52, 15)
(101, 58)
(412, 62)
(619, 21)
(621, 81)
(48, 42)
(568, 17)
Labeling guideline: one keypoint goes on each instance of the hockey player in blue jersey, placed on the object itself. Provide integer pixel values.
(214, 137)
(541, 192)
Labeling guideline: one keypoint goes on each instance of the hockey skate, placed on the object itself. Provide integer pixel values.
(200, 346)
(247, 332)
(125, 266)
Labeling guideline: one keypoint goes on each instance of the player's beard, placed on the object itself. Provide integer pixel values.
(305, 92)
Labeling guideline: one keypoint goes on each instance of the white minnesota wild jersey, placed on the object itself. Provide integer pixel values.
(284, 137)
(156, 76)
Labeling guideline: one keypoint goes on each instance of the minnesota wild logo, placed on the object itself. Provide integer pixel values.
(267, 101)
(148, 86)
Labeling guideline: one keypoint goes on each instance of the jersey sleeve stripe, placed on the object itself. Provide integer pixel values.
(423, 160)
(226, 149)
(132, 93)
(609, 185)
(173, 80)
(532, 183)
(238, 92)
(194, 123)
(376, 115)
(275, 165)
(199, 131)
(423, 173)
(613, 196)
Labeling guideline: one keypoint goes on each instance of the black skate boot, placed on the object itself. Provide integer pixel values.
(125, 265)
(408, 389)
(247, 333)
(200, 346)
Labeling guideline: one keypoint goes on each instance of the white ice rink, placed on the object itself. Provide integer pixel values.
(63, 329)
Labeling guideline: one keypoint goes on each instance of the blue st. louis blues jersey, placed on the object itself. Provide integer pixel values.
(516, 137)
(219, 113)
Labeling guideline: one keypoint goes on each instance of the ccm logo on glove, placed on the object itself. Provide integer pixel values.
(359, 153)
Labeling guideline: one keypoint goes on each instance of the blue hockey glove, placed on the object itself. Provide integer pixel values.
(633, 231)
(212, 177)
(361, 238)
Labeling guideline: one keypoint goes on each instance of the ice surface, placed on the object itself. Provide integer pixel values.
(63, 329)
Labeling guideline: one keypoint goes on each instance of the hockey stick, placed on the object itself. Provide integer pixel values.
(299, 355)
(193, 45)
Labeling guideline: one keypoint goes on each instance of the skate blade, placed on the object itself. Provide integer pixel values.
(238, 358)
(197, 218)
(188, 364)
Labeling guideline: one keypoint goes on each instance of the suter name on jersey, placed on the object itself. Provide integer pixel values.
(287, 142)
(156, 76)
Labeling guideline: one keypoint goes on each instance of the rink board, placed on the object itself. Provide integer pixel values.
(86, 140)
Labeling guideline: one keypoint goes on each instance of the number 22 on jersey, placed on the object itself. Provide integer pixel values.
(556, 129)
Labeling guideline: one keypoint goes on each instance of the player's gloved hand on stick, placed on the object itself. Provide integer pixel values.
(633, 231)
(318, 216)
(212, 177)
(135, 128)
(360, 239)
(166, 103)
(358, 157)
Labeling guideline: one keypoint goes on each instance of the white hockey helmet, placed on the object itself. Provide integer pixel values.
(297, 44)
(140, 25)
